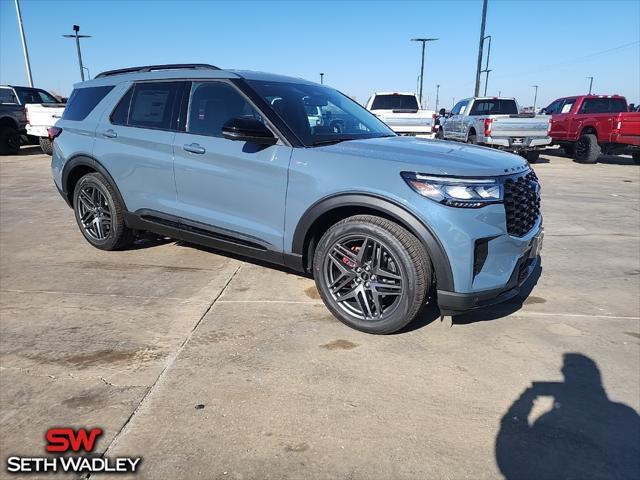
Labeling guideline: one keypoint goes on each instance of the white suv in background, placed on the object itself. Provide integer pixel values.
(401, 112)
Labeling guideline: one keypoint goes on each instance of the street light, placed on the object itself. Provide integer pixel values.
(590, 83)
(437, 95)
(424, 41)
(321, 78)
(25, 50)
(76, 29)
(535, 97)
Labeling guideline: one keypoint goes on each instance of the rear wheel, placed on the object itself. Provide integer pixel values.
(9, 141)
(587, 149)
(472, 139)
(372, 274)
(46, 145)
(99, 213)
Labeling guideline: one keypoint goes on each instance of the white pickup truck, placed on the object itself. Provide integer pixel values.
(41, 116)
(402, 113)
(495, 122)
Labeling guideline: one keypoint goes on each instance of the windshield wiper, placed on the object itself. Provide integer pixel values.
(331, 142)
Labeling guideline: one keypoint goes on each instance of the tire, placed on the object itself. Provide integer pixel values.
(636, 157)
(343, 269)
(46, 145)
(569, 149)
(9, 141)
(532, 156)
(439, 134)
(100, 201)
(472, 139)
(587, 149)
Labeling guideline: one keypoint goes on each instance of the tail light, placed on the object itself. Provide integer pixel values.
(54, 132)
(433, 123)
(26, 114)
(487, 126)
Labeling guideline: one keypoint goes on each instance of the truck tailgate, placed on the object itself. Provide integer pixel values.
(520, 127)
(44, 114)
(628, 123)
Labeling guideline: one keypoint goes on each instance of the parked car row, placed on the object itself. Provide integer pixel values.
(25, 115)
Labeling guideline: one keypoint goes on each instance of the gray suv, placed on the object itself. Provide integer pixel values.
(232, 160)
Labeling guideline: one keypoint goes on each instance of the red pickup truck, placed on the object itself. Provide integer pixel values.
(586, 126)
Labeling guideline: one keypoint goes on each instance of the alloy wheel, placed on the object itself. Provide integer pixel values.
(94, 212)
(363, 277)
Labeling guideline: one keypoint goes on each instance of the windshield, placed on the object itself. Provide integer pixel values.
(319, 115)
(394, 101)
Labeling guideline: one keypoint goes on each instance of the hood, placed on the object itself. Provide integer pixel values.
(436, 157)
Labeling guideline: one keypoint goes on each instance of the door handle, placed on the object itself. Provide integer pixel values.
(194, 148)
(109, 134)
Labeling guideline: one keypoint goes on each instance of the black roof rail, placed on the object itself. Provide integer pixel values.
(150, 68)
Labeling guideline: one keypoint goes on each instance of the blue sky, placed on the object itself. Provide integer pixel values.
(361, 46)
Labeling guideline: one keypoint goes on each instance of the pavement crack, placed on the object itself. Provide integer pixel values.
(169, 363)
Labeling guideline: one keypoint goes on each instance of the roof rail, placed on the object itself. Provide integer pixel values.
(150, 68)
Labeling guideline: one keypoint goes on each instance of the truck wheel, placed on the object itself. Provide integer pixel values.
(532, 156)
(587, 149)
(99, 213)
(372, 274)
(569, 149)
(46, 145)
(636, 157)
(439, 134)
(9, 141)
(472, 139)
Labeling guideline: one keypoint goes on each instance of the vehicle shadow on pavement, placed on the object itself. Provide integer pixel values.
(604, 159)
(583, 435)
(502, 309)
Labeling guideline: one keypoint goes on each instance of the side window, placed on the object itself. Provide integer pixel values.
(554, 108)
(568, 105)
(120, 115)
(7, 97)
(45, 97)
(83, 100)
(212, 104)
(456, 110)
(153, 105)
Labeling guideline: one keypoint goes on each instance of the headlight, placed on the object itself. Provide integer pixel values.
(456, 192)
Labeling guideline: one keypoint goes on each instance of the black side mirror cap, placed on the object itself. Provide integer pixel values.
(248, 130)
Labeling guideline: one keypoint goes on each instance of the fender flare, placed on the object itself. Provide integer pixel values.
(85, 160)
(390, 208)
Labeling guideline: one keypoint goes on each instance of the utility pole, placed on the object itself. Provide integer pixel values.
(437, 95)
(590, 84)
(321, 78)
(486, 65)
(453, 102)
(76, 29)
(424, 41)
(499, 93)
(27, 63)
(535, 98)
(484, 21)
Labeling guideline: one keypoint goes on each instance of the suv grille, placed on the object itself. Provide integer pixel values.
(521, 203)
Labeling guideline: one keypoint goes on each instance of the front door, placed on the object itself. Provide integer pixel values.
(233, 188)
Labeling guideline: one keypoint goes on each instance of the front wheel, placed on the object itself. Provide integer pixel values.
(372, 274)
(99, 213)
(636, 157)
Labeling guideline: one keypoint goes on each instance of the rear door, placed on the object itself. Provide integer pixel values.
(134, 142)
(229, 188)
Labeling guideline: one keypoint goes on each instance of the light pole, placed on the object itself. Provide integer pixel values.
(453, 102)
(482, 37)
(321, 78)
(437, 95)
(424, 41)
(535, 97)
(486, 66)
(27, 63)
(590, 84)
(76, 29)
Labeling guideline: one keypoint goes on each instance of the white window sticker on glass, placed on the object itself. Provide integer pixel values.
(462, 109)
(566, 107)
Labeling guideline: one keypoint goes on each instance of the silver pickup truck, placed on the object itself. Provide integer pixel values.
(495, 122)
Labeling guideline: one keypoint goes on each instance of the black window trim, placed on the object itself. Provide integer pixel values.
(113, 111)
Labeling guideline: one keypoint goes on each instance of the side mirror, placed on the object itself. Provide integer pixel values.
(442, 112)
(248, 130)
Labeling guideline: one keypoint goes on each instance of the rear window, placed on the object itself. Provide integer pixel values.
(603, 105)
(83, 100)
(394, 102)
(494, 107)
(7, 96)
(153, 104)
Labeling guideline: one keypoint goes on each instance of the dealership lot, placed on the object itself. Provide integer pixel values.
(210, 366)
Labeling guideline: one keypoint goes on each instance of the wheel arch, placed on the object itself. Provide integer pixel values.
(589, 129)
(326, 212)
(76, 168)
(8, 122)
